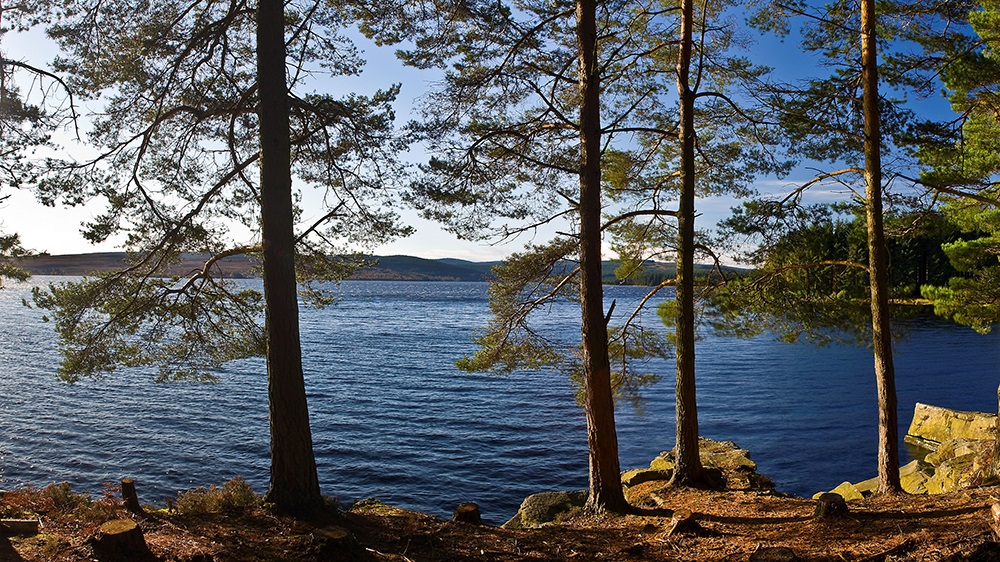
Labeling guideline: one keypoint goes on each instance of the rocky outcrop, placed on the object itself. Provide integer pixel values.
(933, 425)
(960, 449)
(724, 455)
(725, 460)
(545, 507)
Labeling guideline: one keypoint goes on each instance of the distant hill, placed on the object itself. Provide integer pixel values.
(386, 268)
(88, 264)
(409, 268)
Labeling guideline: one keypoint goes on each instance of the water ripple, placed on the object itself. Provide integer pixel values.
(393, 418)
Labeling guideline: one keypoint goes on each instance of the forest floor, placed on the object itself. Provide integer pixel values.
(733, 525)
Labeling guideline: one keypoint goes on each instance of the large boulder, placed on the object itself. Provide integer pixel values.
(961, 447)
(545, 507)
(933, 425)
(952, 474)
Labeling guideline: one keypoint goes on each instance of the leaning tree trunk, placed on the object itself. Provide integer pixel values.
(687, 467)
(888, 439)
(602, 442)
(294, 484)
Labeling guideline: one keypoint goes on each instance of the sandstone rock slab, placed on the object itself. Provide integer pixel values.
(933, 425)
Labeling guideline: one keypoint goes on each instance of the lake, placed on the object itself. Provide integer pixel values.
(392, 418)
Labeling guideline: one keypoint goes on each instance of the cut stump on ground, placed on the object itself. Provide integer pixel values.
(120, 540)
(830, 505)
(467, 512)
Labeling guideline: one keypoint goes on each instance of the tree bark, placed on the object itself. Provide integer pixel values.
(602, 442)
(996, 447)
(888, 438)
(687, 469)
(294, 484)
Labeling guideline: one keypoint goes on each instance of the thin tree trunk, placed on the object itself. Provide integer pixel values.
(294, 484)
(995, 463)
(888, 439)
(687, 468)
(605, 474)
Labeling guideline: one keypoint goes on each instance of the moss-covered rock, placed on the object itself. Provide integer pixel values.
(663, 462)
(952, 448)
(914, 476)
(867, 487)
(638, 476)
(961, 444)
(727, 465)
(952, 474)
(724, 455)
(848, 491)
(933, 425)
(545, 507)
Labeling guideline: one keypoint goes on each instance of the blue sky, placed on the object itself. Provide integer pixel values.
(56, 230)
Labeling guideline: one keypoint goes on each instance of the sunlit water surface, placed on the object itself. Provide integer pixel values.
(392, 418)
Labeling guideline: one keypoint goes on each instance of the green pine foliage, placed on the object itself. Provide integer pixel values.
(11, 250)
(963, 164)
(810, 281)
(176, 168)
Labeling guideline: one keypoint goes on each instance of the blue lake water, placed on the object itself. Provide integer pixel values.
(392, 418)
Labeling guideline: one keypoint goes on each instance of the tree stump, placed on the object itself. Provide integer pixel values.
(467, 512)
(120, 540)
(130, 497)
(336, 543)
(830, 505)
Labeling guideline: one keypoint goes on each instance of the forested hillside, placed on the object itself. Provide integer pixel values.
(379, 268)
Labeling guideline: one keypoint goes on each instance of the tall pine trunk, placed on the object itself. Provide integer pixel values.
(687, 468)
(602, 442)
(294, 484)
(888, 439)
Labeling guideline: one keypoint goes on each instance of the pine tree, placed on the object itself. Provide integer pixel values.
(197, 99)
(841, 119)
(508, 147)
